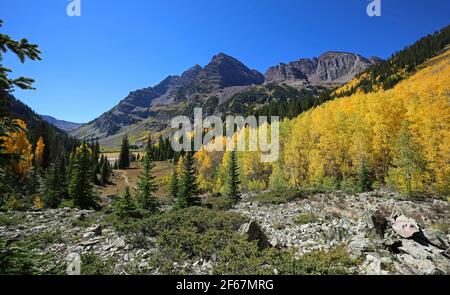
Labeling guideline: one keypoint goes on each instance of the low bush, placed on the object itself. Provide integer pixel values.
(278, 196)
(305, 218)
(244, 258)
(92, 264)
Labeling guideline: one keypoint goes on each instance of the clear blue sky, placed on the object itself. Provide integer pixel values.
(91, 62)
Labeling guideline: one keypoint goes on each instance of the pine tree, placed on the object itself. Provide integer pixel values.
(116, 165)
(81, 188)
(125, 206)
(174, 182)
(146, 184)
(233, 178)
(124, 157)
(51, 188)
(105, 172)
(188, 184)
(63, 177)
(364, 182)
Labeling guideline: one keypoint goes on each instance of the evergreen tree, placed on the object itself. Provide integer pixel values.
(146, 184)
(116, 166)
(105, 172)
(124, 156)
(125, 206)
(233, 178)
(364, 182)
(81, 188)
(63, 177)
(174, 182)
(51, 188)
(188, 184)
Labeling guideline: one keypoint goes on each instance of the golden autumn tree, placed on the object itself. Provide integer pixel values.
(17, 144)
(330, 143)
(39, 152)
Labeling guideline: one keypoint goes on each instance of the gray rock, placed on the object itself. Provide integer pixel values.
(437, 238)
(358, 246)
(96, 229)
(119, 243)
(417, 266)
(372, 264)
(405, 227)
(274, 242)
(73, 264)
(254, 233)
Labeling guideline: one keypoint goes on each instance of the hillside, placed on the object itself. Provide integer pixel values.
(399, 66)
(367, 127)
(57, 141)
(61, 124)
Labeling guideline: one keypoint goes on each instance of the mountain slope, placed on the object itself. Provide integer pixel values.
(330, 69)
(61, 124)
(401, 135)
(171, 96)
(400, 66)
(56, 140)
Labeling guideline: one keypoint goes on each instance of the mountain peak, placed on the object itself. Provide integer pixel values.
(329, 69)
(225, 71)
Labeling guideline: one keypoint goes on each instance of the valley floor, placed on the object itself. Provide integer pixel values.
(381, 233)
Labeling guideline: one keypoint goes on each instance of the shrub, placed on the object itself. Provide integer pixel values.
(244, 258)
(92, 264)
(305, 218)
(256, 186)
(21, 258)
(278, 196)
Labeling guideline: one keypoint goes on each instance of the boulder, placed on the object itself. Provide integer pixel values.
(357, 246)
(73, 264)
(437, 238)
(405, 227)
(372, 265)
(119, 243)
(379, 223)
(254, 233)
(95, 228)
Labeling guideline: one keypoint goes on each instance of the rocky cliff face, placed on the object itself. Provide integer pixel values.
(226, 71)
(330, 69)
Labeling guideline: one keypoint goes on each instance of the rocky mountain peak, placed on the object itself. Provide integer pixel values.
(332, 68)
(226, 71)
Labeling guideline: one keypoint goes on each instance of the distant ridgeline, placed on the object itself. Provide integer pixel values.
(57, 142)
(399, 66)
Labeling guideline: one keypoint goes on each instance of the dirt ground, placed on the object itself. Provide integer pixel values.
(123, 178)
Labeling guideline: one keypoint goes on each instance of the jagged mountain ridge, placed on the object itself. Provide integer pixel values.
(220, 81)
(329, 69)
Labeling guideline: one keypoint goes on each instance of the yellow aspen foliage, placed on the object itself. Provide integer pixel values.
(332, 140)
(39, 151)
(37, 201)
(207, 163)
(17, 144)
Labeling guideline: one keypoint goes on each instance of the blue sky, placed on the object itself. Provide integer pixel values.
(93, 61)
